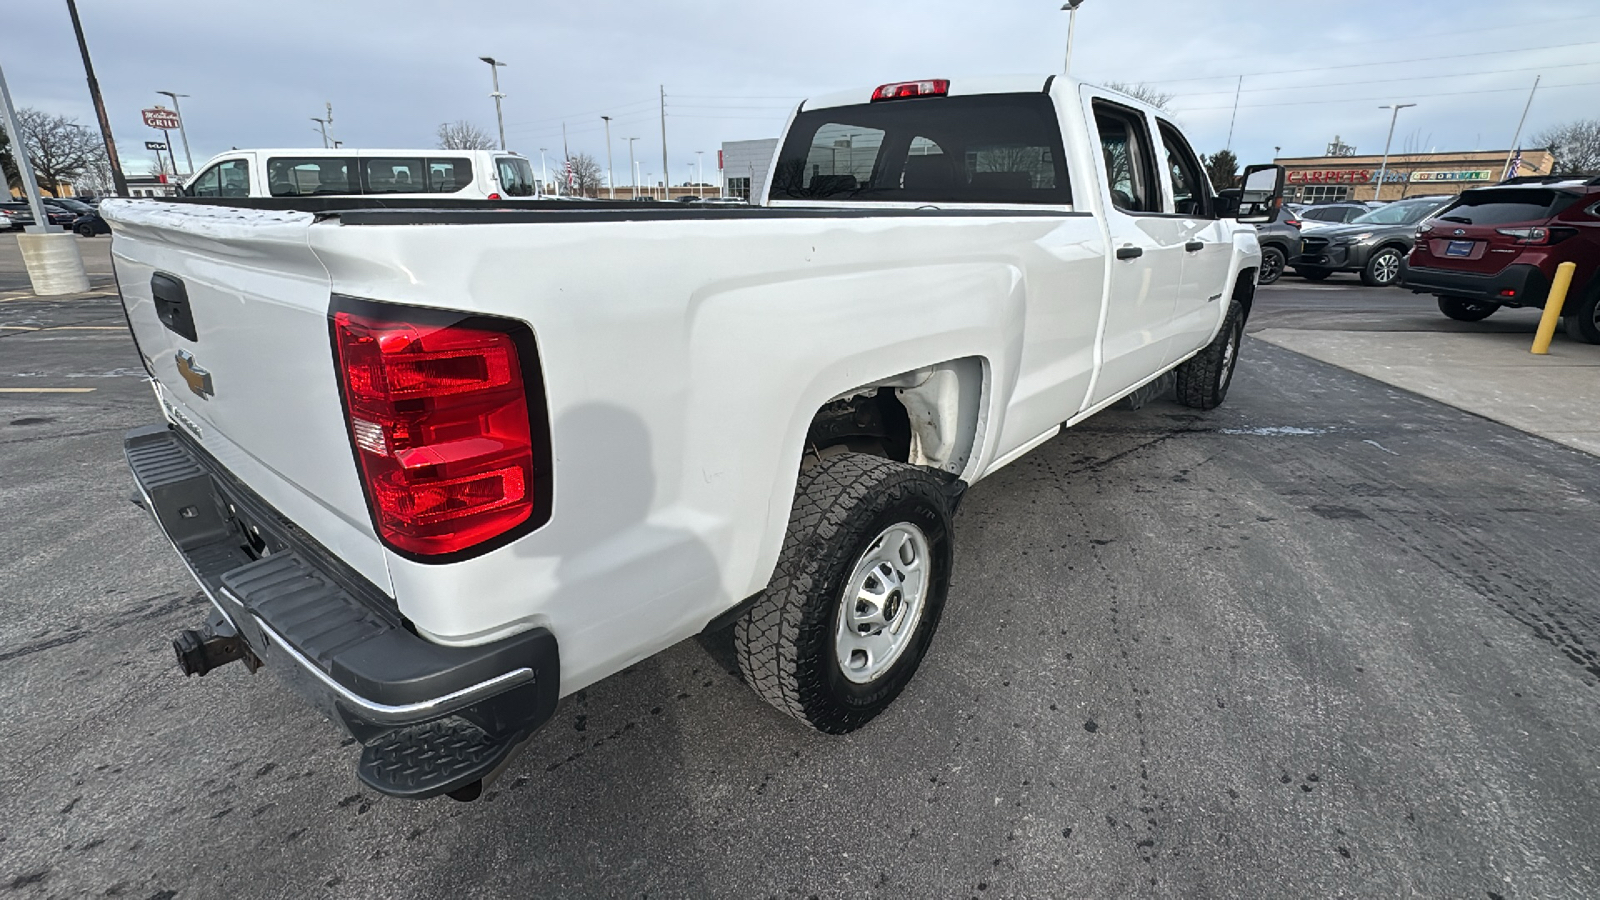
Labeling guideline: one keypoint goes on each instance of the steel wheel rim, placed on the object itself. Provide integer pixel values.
(1387, 266)
(882, 602)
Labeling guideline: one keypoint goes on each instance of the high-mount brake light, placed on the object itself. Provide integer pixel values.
(901, 90)
(451, 452)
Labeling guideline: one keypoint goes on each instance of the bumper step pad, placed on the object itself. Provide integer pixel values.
(430, 759)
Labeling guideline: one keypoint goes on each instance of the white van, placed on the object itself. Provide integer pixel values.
(466, 174)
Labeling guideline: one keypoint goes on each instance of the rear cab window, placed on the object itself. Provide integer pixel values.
(985, 148)
(1507, 206)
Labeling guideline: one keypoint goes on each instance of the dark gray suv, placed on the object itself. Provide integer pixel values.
(1374, 244)
(1280, 244)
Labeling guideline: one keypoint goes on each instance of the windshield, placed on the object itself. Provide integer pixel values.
(1402, 212)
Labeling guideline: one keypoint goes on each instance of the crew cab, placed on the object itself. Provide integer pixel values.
(442, 464)
(1501, 246)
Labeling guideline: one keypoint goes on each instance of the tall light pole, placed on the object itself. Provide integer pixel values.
(494, 67)
(633, 168)
(322, 124)
(544, 171)
(1071, 6)
(183, 130)
(700, 173)
(611, 179)
(117, 179)
(1384, 168)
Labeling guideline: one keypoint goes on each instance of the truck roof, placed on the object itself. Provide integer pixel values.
(361, 151)
(967, 86)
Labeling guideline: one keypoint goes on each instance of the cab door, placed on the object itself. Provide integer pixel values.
(1145, 253)
(1207, 244)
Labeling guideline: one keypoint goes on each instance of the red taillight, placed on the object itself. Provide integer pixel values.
(438, 408)
(496, 196)
(935, 87)
(1293, 223)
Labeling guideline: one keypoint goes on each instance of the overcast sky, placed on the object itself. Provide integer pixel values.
(394, 70)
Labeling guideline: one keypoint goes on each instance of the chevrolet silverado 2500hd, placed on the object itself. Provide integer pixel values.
(443, 464)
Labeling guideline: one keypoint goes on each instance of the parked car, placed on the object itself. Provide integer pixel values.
(1374, 244)
(368, 414)
(460, 174)
(1500, 246)
(1280, 245)
(90, 224)
(70, 204)
(21, 215)
(1322, 215)
(13, 216)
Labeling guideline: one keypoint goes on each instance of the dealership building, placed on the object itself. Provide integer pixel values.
(1326, 179)
(744, 167)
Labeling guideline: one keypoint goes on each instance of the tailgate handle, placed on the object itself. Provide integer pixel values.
(172, 305)
(1194, 246)
(1129, 252)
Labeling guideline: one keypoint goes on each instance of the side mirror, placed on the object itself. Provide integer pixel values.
(1257, 202)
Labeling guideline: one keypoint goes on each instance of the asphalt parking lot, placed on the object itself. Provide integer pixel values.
(1333, 639)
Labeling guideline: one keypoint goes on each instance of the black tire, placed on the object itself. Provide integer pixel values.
(1383, 269)
(785, 643)
(86, 230)
(1583, 321)
(1204, 379)
(1313, 274)
(1464, 309)
(1272, 265)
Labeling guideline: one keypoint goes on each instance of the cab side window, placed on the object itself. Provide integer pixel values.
(1130, 173)
(208, 184)
(234, 178)
(1189, 194)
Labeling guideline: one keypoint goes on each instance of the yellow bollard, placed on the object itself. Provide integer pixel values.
(1552, 307)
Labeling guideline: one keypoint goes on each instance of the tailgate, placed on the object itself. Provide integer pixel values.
(230, 311)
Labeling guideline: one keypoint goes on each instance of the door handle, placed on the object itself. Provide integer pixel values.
(1194, 246)
(1129, 252)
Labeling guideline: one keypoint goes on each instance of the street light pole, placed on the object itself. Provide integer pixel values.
(1384, 168)
(633, 168)
(1071, 6)
(700, 173)
(19, 152)
(544, 173)
(611, 178)
(322, 124)
(494, 67)
(117, 178)
(183, 130)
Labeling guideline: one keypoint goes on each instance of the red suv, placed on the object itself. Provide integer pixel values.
(1499, 246)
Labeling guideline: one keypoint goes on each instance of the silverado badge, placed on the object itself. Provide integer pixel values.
(198, 379)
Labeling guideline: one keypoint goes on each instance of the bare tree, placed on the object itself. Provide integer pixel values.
(585, 174)
(1142, 92)
(1411, 158)
(1576, 146)
(463, 135)
(59, 147)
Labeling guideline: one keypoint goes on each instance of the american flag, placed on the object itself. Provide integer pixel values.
(1516, 164)
(570, 183)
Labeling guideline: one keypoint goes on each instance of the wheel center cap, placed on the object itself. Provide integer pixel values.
(891, 608)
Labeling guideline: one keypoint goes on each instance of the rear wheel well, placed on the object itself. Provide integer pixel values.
(926, 417)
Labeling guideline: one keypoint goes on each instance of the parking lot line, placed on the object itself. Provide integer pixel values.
(6, 390)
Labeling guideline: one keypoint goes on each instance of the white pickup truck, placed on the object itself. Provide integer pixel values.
(442, 464)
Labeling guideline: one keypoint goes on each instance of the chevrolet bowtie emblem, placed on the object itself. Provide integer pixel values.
(198, 379)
